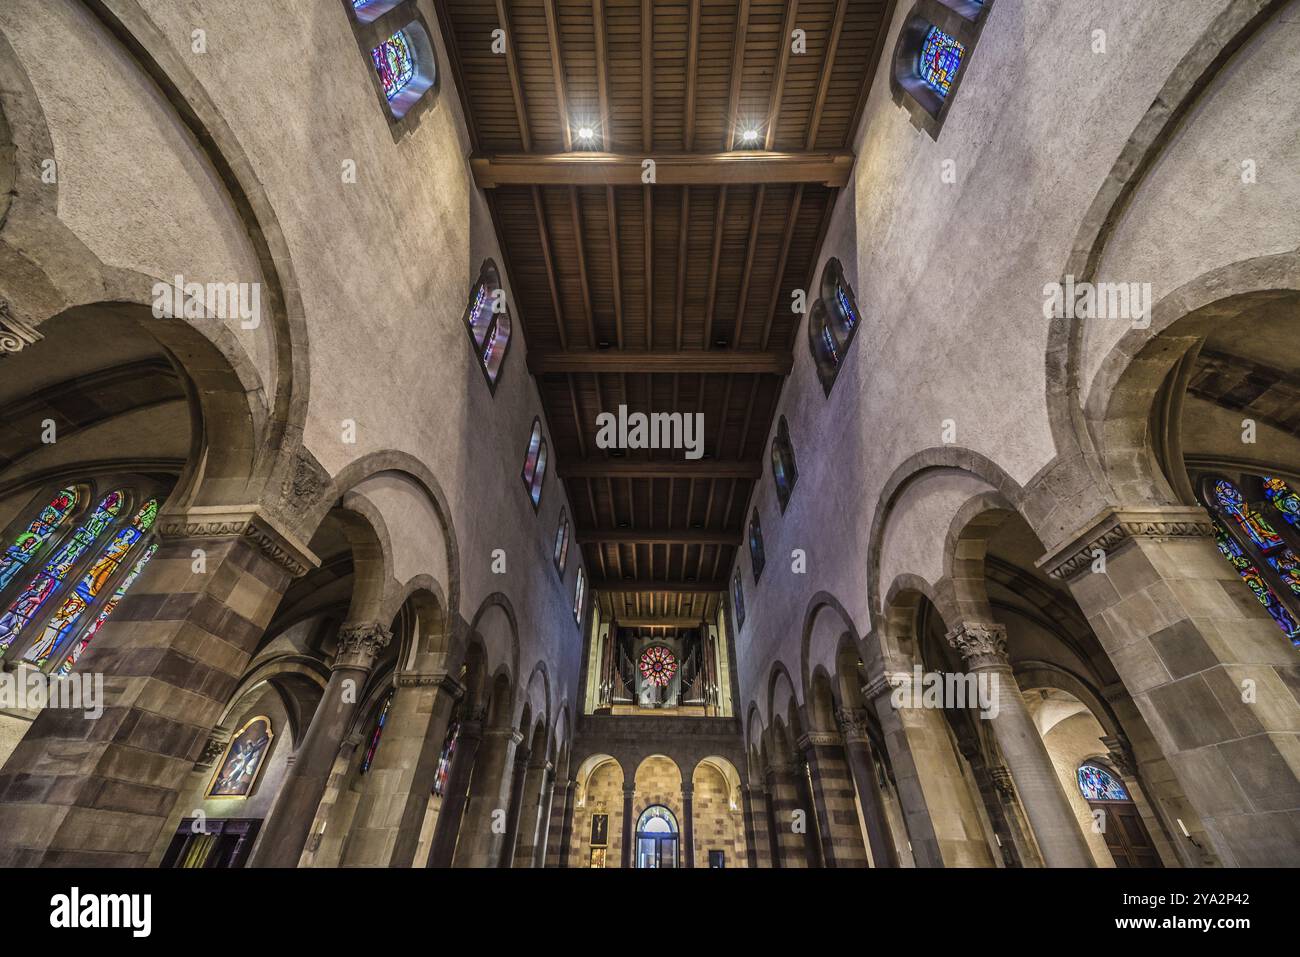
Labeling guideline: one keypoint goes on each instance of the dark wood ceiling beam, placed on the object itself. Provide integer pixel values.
(512, 69)
(660, 622)
(557, 71)
(778, 81)
(779, 276)
(828, 65)
(691, 360)
(737, 75)
(661, 468)
(639, 536)
(827, 167)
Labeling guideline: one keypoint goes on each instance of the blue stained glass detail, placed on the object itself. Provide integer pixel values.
(939, 61)
(28, 543)
(1098, 784)
(394, 63)
(1283, 499)
(1239, 560)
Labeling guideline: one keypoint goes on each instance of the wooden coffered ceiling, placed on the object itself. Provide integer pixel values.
(671, 297)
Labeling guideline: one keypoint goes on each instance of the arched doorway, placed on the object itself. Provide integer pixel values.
(656, 838)
(1116, 815)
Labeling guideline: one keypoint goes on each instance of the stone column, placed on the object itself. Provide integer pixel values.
(1188, 639)
(490, 788)
(862, 769)
(171, 656)
(545, 811)
(757, 849)
(943, 824)
(287, 826)
(841, 837)
(629, 838)
(530, 811)
(790, 847)
(386, 828)
(515, 813)
(688, 825)
(446, 830)
(984, 646)
(562, 825)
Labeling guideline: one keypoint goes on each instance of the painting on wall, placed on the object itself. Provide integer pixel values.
(599, 830)
(240, 765)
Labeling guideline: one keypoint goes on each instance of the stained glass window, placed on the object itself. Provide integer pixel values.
(1283, 499)
(28, 543)
(64, 621)
(848, 313)
(444, 760)
(939, 61)
(1098, 784)
(535, 463)
(784, 471)
(488, 319)
(579, 593)
(756, 556)
(127, 582)
(480, 313)
(1252, 523)
(738, 600)
(1249, 573)
(658, 666)
(43, 586)
(394, 63)
(562, 542)
(377, 734)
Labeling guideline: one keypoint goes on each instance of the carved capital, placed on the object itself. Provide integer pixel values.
(360, 643)
(1115, 528)
(852, 723)
(14, 333)
(246, 522)
(1002, 780)
(982, 644)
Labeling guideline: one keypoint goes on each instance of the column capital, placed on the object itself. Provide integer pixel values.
(14, 332)
(360, 643)
(688, 791)
(1114, 528)
(247, 522)
(982, 644)
(213, 748)
(852, 723)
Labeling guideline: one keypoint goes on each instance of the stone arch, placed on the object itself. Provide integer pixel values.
(1128, 385)
(436, 631)
(537, 692)
(825, 617)
(299, 680)
(897, 642)
(821, 702)
(1187, 81)
(1043, 674)
(497, 628)
(964, 550)
(371, 559)
(392, 460)
(781, 690)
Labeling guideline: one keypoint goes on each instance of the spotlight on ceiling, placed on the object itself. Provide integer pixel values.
(749, 137)
(586, 134)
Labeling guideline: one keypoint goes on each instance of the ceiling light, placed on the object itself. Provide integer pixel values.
(586, 133)
(750, 136)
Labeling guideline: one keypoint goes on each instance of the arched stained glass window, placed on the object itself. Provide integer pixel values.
(579, 594)
(1283, 499)
(1249, 573)
(444, 760)
(534, 472)
(29, 542)
(64, 621)
(378, 733)
(784, 471)
(939, 60)
(562, 542)
(738, 599)
(1252, 523)
(756, 556)
(395, 63)
(487, 317)
(47, 581)
(1098, 784)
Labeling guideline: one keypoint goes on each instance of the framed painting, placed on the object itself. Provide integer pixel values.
(242, 761)
(599, 830)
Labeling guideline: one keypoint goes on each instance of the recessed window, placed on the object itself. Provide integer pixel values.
(738, 599)
(579, 595)
(934, 49)
(784, 471)
(487, 319)
(939, 60)
(405, 66)
(756, 557)
(562, 542)
(368, 11)
(535, 464)
(832, 324)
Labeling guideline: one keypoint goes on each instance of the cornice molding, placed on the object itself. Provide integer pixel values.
(1114, 528)
(249, 522)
